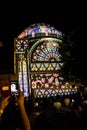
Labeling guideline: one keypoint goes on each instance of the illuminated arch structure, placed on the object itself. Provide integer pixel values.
(38, 61)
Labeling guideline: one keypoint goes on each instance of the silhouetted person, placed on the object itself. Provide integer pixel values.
(21, 108)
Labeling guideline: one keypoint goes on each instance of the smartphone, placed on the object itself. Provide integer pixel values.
(14, 88)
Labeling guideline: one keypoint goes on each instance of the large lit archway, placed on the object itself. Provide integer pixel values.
(38, 61)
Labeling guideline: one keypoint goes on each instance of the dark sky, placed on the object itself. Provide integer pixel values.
(15, 17)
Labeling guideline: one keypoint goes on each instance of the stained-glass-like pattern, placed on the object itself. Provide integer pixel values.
(45, 64)
(22, 75)
(40, 28)
(21, 45)
(46, 81)
(48, 51)
(40, 62)
(54, 92)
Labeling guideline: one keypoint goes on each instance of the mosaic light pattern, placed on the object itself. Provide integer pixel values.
(40, 62)
(22, 75)
(50, 80)
(40, 28)
(48, 51)
(21, 45)
(45, 64)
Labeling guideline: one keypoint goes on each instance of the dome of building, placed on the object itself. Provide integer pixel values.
(38, 29)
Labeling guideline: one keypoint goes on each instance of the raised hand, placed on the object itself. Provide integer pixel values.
(20, 99)
(4, 102)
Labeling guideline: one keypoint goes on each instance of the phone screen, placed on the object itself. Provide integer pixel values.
(14, 88)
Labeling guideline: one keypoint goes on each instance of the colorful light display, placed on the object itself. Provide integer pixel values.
(40, 61)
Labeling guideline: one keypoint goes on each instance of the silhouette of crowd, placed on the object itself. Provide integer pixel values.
(62, 113)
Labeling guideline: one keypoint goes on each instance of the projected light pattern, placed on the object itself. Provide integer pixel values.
(21, 45)
(22, 75)
(39, 51)
(45, 65)
(40, 93)
(48, 51)
(45, 80)
(41, 28)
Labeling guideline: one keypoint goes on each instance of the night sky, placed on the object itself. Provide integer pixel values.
(66, 18)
